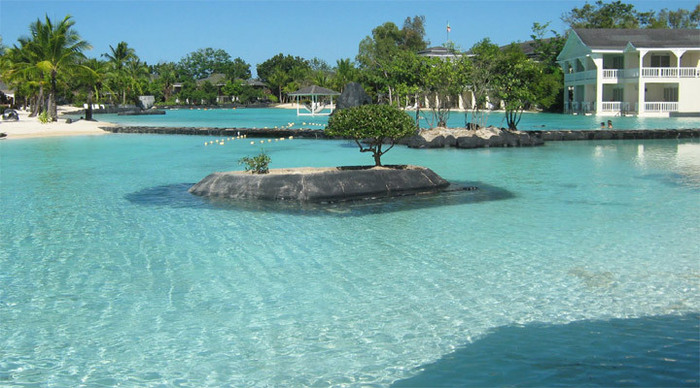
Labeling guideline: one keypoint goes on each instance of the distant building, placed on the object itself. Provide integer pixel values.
(649, 72)
(439, 52)
(445, 54)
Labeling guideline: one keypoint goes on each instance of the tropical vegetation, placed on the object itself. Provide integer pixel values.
(372, 127)
(49, 66)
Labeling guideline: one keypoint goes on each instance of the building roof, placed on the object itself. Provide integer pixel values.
(438, 51)
(4, 89)
(216, 79)
(314, 90)
(617, 38)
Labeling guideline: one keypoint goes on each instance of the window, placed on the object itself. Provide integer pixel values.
(660, 60)
(613, 62)
(617, 94)
(671, 93)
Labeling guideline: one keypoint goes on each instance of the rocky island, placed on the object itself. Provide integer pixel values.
(329, 184)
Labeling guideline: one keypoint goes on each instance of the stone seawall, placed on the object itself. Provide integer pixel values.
(437, 138)
(622, 134)
(208, 131)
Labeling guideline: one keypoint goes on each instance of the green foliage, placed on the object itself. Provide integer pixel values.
(281, 70)
(257, 164)
(551, 86)
(515, 81)
(44, 117)
(207, 61)
(617, 14)
(47, 59)
(370, 126)
(384, 53)
(126, 74)
(446, 79)
(682, 18)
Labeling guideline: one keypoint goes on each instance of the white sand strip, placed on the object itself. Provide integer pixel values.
(31, 127)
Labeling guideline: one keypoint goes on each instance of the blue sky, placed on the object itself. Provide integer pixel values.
(167, 30)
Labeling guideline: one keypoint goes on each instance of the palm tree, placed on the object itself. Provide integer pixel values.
(119, 60)
(92, 79)
(59, 50)
(19, 70)
(344, 73)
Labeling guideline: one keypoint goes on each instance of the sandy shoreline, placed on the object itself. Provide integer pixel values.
(28, 127)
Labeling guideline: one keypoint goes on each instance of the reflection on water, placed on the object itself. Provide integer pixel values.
(459, 193)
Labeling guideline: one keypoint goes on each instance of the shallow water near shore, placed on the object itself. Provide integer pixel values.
(287, 118)
(111, 273)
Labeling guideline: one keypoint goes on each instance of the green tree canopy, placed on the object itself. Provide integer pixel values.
(617, 14)
(515, 82)
(370, 126)
(50, 55)
(125, 70)
(378, 54)
(284, 73)
(682, 18)
(207, 61)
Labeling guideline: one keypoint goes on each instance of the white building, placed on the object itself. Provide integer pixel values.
(650, 72)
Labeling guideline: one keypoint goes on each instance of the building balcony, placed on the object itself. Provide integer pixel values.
(651, 106)
(615, 107)
(652, 72)
(644, 72)
(588, 75)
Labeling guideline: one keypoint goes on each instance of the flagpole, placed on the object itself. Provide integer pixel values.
(448, 31)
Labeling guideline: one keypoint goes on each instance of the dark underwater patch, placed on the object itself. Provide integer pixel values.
(651, 351)
(459, 193)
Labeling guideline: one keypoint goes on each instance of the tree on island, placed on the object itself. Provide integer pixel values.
(371, 126)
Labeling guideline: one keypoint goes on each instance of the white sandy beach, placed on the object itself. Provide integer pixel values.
(31, 127)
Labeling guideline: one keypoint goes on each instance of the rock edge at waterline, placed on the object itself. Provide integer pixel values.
(331, 184)
(472, 138)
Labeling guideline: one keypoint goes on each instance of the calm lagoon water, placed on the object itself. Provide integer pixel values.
(574, 263)
(271, 117)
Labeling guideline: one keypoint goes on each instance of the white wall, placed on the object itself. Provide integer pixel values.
(689, 95)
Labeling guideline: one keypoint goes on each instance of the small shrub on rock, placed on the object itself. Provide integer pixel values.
(257, 164)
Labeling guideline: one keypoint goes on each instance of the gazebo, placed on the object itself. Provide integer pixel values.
(317, 106)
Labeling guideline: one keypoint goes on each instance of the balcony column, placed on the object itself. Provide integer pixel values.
(598, 62)
(640, 84)
(678, 53)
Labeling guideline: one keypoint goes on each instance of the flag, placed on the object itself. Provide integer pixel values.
(448, 27)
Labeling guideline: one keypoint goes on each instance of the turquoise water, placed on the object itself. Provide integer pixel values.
(112, 274)
(270, 118)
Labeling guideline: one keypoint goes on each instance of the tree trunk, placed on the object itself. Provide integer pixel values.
(53, 112)
(377, 159)
(53, 116)
(88, 110)
(38, 103)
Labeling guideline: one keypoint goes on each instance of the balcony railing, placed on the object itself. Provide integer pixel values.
(670, 72)
(581, 76)
(661, 106)
(613, 73)
(646, 72)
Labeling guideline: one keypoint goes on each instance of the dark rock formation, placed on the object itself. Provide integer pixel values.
(479, 138)
(141, 112)
(322, 184)
(10, 115)
(353, 95)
